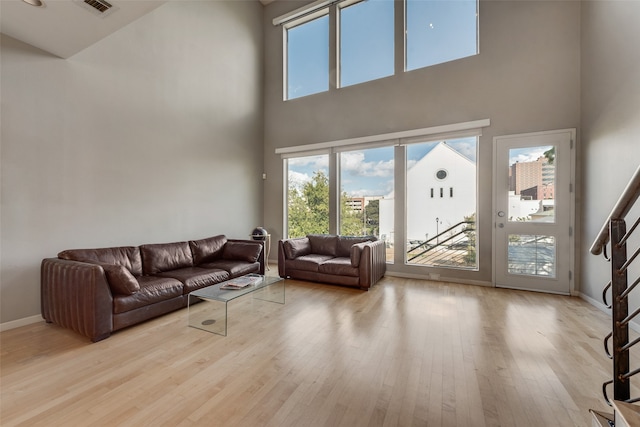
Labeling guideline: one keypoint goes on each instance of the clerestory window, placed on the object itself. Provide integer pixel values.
(366, 40)
(439, 31)
(307, 58)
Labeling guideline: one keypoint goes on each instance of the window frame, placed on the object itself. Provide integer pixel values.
(305, 19)
(339, 7)
(399, 140)
(323, 7)
(405, 44)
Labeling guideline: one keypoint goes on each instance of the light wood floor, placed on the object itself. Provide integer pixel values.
(406, 353)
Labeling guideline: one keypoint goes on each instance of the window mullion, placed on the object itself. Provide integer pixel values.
(333, 48)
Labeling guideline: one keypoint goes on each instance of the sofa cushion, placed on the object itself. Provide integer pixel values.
(339, 266)
(234, 268)
(206, 250)
(121, 281)
(242, 251)
(309, 262)
(323, 244)
(160, 257)
(345, 243)
(294, 248)
(127, 256)
(153, 289)
(195, 277)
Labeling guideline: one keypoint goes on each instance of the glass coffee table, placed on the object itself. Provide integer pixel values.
(211, 315)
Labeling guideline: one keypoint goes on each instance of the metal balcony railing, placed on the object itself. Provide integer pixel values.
(454, 247)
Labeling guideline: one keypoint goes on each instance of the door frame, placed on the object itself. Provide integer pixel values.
(572, 202)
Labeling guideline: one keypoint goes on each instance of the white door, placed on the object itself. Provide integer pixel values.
(534, 211)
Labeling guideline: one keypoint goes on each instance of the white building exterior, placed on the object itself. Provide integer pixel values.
(442, 186)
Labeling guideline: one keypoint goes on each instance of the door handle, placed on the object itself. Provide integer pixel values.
(501, 214)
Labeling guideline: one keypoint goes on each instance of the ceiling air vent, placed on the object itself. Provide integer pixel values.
(102, 6)
(97, 7)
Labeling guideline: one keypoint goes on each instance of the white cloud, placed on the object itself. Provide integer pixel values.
(526, 155)
(315, 162)
(353, 163)
(297, 179)
(467, 149)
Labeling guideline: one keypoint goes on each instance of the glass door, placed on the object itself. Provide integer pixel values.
(533, 242)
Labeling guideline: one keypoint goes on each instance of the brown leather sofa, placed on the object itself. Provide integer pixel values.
(97, 291)
(350, 261)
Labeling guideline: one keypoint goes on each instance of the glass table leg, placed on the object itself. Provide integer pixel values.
(208, 315)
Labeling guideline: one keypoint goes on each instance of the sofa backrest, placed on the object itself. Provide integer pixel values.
(160, 257)
(323, 244)
(126, 256)
(345, 242)
(207, 250)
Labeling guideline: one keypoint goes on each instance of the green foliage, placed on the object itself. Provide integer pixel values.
(550, 155)
(308, 211)
(351, 221)
(308, 207)
(359, 223)
(372, 217)
(470, 231)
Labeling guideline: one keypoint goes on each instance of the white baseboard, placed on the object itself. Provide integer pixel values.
(438, 278)
(21, 322)
(633, 324)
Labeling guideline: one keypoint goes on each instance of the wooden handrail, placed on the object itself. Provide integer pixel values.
(620, 210)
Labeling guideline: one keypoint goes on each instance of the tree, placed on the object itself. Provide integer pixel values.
(470, 232)
(308, 207)
(550, 154)
(351, 221)
(308, 211)
(372, 217)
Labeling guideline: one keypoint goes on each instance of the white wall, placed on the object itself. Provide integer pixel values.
(153, 134)
(525, 79)
(610, 122)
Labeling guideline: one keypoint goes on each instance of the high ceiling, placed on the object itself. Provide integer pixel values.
(65, 27)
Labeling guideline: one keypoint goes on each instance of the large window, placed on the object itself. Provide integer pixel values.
(307, 195)
(366, 40)
(366, 194)
(416, 190)
(440, 31)
(436, 31)
(307, 57)
(441, 203)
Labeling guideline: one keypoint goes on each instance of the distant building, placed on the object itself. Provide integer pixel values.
(355, 204)
(539, 192)
(527, 175)
(441, 192)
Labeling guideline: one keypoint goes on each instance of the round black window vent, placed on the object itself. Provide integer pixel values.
(441, 174)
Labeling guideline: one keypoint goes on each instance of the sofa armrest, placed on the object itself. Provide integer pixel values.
(261, 256)
(281, 259)
(373, 263)
(76, 295)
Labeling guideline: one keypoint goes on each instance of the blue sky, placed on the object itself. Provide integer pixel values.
(370, 172)
(437, 31)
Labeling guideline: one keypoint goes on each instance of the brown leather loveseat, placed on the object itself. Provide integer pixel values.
(342, 260)
(97, 291)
